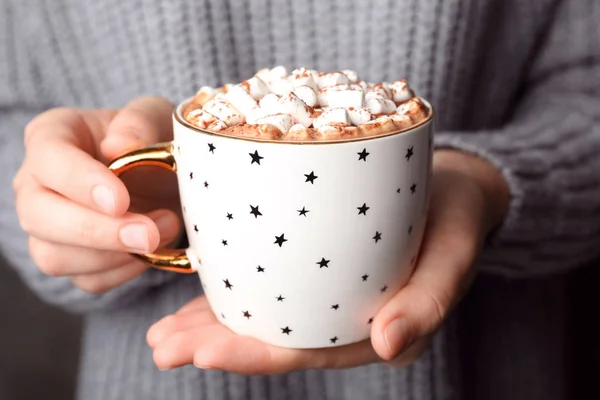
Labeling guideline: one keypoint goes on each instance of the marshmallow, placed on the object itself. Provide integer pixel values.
(351, 75)
(331, 79)
(401, 121)
(329, 132)
(378, 90)
(359, 116)
(241, 99)
(298, 132)
(400, 91)
(221, 109)
(379, 105)
(255, 114)
(378, 126)
(323, 94)
(283, 122)
(256, 87)
(269, 103)
(364, 85)
(334, 116)
(281, 86)
(346, 98)
(279, 72)
(205, 94)
(200, 118)
(217, 126)
(307, 95)
(292, 105)
(303, 77)
(413, 108)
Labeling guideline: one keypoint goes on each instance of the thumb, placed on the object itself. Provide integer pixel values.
(143, 121)
(442, 275)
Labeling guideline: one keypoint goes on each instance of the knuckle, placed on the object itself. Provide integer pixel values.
(436, 306)
(87, 233)
(23, 209)
(133, 122)
(33, 127)
(45, 256)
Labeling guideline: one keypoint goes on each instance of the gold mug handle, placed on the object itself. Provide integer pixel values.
(158, 155)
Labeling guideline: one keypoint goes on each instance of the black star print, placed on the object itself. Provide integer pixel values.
(227, 284)
(286, 330)
(363, 209)
(370, 320)
(255, 157)
(335, 306)
(191, 175)
(334, 339)
(196, 228)
(229, 216)
(409, 153)
(413, 187)
(183, 208)
(222, 315)
(384, 288)
(311, 177)
(409, 229)
(365, 277)
(247, 314)
(280, 298)
(224, 242)
(363, 155)
(211, 148)
(303, 211)
(323, 263)
(377, 236)
(254, 211)
(398, 190)
(260, 269)
(205, 184)
(280, 240)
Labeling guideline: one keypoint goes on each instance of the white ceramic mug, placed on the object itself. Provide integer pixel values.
(296, 244)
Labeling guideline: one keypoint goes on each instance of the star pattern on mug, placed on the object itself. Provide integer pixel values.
(303, 212)
(255, 157)
(254, 211)
(286, 330)
(377, 236)
(311, 177)
(373, 210)
(363, 209)
(323, 263)
(363, 155)
(280, 240)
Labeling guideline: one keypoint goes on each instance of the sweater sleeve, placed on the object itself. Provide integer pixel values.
(19, 93)
(549, 153)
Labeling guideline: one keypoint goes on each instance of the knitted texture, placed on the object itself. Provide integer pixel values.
(515, 82)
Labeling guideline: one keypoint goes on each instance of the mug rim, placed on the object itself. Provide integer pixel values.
(182, 121)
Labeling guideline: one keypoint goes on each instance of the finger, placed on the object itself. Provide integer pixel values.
(102, 282)
(174, 323)
(60, 148)
(144, 121)
(442, 273)
(245, 355)
(411, 354)
(57, 259)
(51, 217)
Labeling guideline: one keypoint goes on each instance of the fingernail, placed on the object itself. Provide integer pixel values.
(396, 335)
(164, 369)
(204, 366)
(104, 197)
(135, 236)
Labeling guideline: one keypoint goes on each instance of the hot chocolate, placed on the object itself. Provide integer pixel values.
(306, 105)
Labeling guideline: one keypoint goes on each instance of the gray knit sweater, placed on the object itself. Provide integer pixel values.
(514, 81)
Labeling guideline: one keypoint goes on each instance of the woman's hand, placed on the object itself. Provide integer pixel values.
(76, 210)
(469, 198)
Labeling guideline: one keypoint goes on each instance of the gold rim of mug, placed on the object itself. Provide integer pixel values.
(179, 118)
